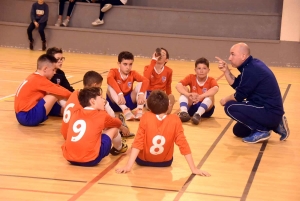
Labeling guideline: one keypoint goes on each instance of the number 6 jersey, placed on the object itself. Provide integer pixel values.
(155, 138)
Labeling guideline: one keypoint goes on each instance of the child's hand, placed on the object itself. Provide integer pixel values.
(36, 24)
(124, 130)
(201, 172)
(122, 170)
(121, 99)
(141, 99)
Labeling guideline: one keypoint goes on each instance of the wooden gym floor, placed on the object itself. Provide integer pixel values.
(32, 166)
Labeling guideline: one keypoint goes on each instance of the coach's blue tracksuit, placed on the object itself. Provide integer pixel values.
(259, 104)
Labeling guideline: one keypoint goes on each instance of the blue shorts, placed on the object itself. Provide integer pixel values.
(56, 110)
(148, 94)
(33, 117)
(194, 109)
(104, 151)
(116, 108)
(153, 164)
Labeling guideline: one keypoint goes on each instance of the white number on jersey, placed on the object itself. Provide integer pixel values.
(67, 112)
(81, 130)
(157, 148)
(20, 87)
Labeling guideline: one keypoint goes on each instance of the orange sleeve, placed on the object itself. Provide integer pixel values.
(169, 83)
(149, 69)
(111, 81)
(186, 81)
(144, 80)
(213, 82)
(140, 135)
(111, 122)
(180, 139)
(48, 86)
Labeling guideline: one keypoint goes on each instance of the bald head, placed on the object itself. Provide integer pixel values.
(238, 54)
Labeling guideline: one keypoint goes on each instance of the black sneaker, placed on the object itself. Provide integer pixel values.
(31, 45)
(184, 116)
(44, 46)
(116, 152)
(196, 118)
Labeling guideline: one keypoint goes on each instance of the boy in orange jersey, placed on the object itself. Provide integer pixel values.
(198, 101)
(157, 133)
(87, 140)
(90, 79)
(159, 75)
(120, 93)
(37, 96)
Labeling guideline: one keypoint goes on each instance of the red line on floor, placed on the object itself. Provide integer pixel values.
(35, 191)
(94, 180)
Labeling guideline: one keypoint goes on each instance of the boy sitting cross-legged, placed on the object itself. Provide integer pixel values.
(120, 93)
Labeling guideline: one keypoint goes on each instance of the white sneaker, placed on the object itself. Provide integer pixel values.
(58, 23)
(97, 22)
(106, 7)
(66, 22)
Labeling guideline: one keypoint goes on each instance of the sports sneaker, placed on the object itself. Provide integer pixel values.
(184, 116)
(44, 46)
(196, 118)
(283, 129)
(257, 136)
(65, 23)
(58, 23)
(97, 22)
(106, 7)
(31, 45)
(122, 118)
(128, 114)
(138, 114)
(116, 152)
(171, 103)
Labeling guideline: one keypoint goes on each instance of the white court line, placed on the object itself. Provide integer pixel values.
(11, 95)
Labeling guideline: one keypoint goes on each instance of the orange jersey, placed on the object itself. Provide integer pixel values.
(155, 138)
(33, 89)
(115, 80)
(160, 81)
(71, 106)
(84, 134)
(191, 80)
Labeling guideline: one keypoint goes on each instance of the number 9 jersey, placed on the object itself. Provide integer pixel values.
(155, 137)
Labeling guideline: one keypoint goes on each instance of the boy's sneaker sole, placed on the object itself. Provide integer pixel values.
(286, 127)
(116, 152)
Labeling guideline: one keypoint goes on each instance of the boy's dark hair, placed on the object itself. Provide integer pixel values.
(91, 77)
(86, 94)
(167, 53)
(45, 58)
(158, 102)
(54, 50)
(125, 55)
(202, 60)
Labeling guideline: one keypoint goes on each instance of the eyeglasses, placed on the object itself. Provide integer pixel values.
(61, 59)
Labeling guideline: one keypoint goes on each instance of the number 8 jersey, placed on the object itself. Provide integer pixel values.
(155, 137)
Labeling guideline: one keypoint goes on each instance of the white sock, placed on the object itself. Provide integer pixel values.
(137, 90)
(62, 102)
(183, 102)
(205, 104)
(115, 97)
(117, 142)
(109, 110)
